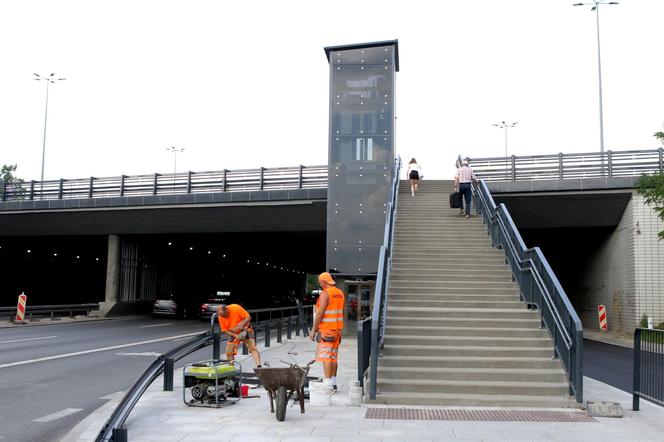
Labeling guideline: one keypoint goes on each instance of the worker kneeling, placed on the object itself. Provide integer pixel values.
(327, 328)
(235, 322)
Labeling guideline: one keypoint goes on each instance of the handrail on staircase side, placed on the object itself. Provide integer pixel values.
(379, 311)
(538, 286)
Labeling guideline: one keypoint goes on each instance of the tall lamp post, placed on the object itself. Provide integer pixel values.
(175, 151)
(48, 79)
(504, 125)
(595, 7)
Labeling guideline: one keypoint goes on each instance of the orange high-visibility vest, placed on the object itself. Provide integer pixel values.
(333, 316)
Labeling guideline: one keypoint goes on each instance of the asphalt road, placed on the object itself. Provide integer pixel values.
(611, 364)
(53, 376)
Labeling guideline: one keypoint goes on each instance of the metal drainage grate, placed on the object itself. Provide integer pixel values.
(479, 415)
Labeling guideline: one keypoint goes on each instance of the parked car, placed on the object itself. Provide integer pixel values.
(174, 308)
(209, 307)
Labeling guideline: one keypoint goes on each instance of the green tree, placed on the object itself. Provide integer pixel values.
(14, 185)
(652, 188)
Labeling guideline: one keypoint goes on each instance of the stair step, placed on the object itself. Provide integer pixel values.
(473, 387)
(469, 361)
(436, 331)
(474, 400)
(455, 350)
(469, 341)
(508, 304)
(398, 273)
(473, 374)
(462, 321)
(441, 313)
(399, 289)
(452, 284)
(415, 299)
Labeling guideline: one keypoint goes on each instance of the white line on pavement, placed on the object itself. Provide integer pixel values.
(112, 396)
(59, 415)
(147, 353)
(96, 350)
(27, 339)
(156, 325)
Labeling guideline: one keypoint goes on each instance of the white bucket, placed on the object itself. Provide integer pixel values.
(320, 395)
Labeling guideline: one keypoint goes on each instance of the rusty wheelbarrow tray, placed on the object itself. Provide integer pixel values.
(281, 383)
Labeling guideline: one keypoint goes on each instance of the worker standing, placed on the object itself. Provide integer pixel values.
(327, 327)
(235, 322)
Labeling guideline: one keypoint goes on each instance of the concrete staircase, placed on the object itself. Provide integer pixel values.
(456, 332)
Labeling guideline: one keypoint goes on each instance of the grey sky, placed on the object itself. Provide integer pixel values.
(244, 84)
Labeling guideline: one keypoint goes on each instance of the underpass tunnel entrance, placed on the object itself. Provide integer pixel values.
(258, 270)
(571, 252)
(53, 269)
(585, 237)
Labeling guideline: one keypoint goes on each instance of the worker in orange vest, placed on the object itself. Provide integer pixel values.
(235, 322)
(327, 328)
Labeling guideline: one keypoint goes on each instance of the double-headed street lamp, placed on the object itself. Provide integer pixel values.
(595, 7)
(175, 151)
(504, 125)
(49, 79)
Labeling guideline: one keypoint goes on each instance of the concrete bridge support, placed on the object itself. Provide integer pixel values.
(112, 275)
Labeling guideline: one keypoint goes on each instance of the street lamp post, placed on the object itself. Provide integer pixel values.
(175, 151)
(595, 7)
(49, 80)
(504, 125)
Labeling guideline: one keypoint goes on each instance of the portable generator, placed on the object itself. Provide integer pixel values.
(213, 383)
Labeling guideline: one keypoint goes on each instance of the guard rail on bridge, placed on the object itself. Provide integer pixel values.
(279, 178)
(610, 164)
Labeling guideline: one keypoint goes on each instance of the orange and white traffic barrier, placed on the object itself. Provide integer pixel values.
(20, 308)
(601, 310)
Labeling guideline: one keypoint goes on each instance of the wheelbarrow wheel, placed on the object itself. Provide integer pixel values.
(282, 401)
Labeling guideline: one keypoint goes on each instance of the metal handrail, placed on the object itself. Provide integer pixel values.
(610, 164)
(113, 428)
(241, 180)
(538, 286)
(379, 312)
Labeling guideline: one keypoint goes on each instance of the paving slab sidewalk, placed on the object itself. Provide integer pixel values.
(162, 416)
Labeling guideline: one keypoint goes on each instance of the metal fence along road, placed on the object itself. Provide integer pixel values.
(610, 164)
(279, 178)
(648, 366)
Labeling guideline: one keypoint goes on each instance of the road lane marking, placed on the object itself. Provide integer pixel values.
(147, 353)
(110, 397)
(27, 339)
(156, 325)
(59, 415)
(95, 350)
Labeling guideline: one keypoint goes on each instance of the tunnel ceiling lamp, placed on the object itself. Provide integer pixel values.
(96, 259)
(191, 248)
(209, 252)
(29, 251)
(170, 243)
(55, 254)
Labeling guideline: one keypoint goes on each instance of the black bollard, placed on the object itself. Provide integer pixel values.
(289, 329)
(169, 365)
(279, 331)
(267, 333)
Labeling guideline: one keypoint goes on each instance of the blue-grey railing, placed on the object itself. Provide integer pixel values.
(560, 166)
(262, 178)
(648, 366)
(382, 283)
(538, 286)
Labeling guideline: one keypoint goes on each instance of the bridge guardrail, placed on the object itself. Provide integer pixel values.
(241, 180)
(50, 309)
(539, 286)
(114, 429)
(648, 366)
(610, 164)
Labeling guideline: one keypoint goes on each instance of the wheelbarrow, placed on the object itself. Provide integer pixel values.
(281, 383)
